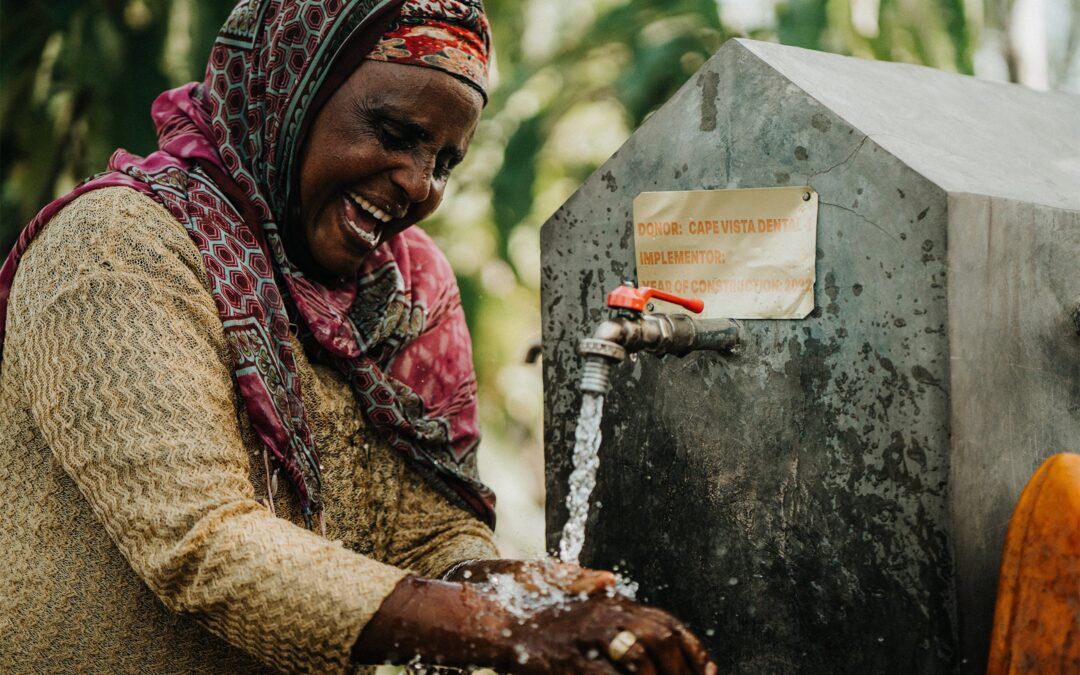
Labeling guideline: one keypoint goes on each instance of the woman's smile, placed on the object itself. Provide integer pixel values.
(362, 219)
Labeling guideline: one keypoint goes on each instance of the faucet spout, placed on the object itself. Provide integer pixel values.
(600, 351)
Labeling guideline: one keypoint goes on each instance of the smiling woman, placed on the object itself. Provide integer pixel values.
(378, 160)
(238, 420)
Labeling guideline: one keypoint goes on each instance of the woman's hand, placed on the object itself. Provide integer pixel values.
(462, 625)
(536, 576)
(608, 635)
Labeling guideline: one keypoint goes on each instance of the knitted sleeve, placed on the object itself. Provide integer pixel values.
(432, 535)
(128, 371)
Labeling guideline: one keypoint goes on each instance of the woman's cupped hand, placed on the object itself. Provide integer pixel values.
(529, 617)
(606, 635)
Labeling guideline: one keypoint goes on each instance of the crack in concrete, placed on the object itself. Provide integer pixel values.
(840, 163)
(844, 161)
(863, 218)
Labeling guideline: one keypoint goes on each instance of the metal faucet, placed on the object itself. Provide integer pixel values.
(631, 330)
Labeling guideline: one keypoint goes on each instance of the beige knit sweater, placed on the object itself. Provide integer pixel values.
(135, 535)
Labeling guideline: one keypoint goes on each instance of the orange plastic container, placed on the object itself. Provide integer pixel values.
(1037, 617)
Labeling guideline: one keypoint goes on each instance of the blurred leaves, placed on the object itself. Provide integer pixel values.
(511, 188)
(802, 23)
(76, 82)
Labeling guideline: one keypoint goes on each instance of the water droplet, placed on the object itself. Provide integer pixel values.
(522, 654)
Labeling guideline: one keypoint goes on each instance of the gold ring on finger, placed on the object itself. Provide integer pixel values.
(620, 644)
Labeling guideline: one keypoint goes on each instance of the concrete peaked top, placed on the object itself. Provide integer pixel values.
(965, 134)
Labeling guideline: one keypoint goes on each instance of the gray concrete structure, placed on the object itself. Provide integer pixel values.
(835, 498)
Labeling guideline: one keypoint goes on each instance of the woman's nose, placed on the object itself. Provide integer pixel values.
(415, 179)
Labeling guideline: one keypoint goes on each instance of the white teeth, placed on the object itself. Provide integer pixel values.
(370, 208)
(371, 238)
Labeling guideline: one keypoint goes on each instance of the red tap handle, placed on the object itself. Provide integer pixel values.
(628, 297)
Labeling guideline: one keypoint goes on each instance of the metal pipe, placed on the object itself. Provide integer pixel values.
(659, 334)
(716, 335)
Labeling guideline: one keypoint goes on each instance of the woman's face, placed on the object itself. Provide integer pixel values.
(377, 160)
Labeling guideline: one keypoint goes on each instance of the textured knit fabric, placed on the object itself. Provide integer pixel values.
(137, 536)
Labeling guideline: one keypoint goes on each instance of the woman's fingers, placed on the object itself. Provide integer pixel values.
(636, 661)
(669, 646)
(591, 582)
(694, 651)
(609, 635)
(539, 576)
(663, 648)
(577, 580)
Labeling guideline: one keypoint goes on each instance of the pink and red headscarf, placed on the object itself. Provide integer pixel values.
(451, 36)
(226, 169)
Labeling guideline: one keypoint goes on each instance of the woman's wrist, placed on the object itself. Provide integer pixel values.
(457, 571)
(440, 622)
(478, 571)
(541, 576)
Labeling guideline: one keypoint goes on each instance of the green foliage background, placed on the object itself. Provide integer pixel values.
(573, 79)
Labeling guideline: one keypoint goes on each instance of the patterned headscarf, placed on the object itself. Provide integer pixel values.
(451, 36)
(226, 169)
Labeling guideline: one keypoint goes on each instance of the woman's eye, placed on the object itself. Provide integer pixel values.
(445, 163)
(442, 170)
(394, 138)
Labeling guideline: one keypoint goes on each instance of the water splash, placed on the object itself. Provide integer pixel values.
(543, 588)
(624, 587)
(583, 478)
(523, 601)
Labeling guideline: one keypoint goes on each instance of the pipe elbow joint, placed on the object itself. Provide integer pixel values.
(611, 331)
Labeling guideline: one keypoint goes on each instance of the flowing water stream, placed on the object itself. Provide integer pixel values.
(583, 478)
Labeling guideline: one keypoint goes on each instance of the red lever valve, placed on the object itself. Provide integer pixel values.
(628, 297)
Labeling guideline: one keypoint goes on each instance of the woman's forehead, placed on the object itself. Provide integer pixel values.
(411, 89)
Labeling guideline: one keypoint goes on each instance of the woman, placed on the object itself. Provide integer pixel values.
(249, 308)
